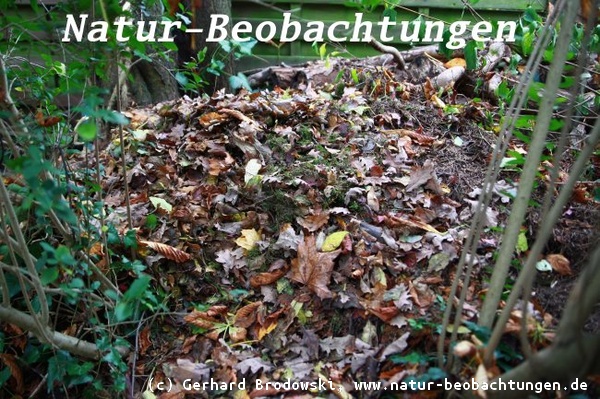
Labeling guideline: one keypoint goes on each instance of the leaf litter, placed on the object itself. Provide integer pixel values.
(303, 234)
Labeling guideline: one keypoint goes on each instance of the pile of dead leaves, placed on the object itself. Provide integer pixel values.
(300, 235)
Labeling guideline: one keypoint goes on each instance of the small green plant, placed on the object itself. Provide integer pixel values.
(324, 54)
(193, 78)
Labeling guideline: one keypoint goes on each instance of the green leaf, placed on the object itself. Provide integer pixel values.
(64, 256)
(113, 117)
(77, 283)
(137, 288)
(87, 131)
(461, 330)
(78, 369)
(49, 275)
(238, 81)
(323, 50)
(436, 373)
(5, 374)
(354, 74)
(482, 333)
(151, 221)
(525, 122)
(57, 367)
(123, 311)
(528, 43)
(556, 125)
(411, 358)
(245, 48)
(130, 239)
(522, 245)
(470, 52)
(181, 78)
(391, 13)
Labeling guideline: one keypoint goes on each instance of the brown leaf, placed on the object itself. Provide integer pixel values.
(314, 222)
(17, 336)
(216, 166)
(385, 313)
(422, 175)
(238, 334)
(580, 195)
(217, 310)
(206, 319)
(560, 264)
(15, 371)
(186, 369)
(212, 118)
(199, 319)
(376, 171)
(167, 251)
(144, 340)
(313, 268)
(419, 138)
(246, 316)
(412, 222)
(266, 278)
(46, 122)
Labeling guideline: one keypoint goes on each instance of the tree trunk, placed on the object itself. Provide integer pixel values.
(143, 82)
(201, 13)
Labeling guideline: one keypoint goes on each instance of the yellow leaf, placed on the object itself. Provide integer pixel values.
(248, 239)
(264, 330)
(333, 241)
(438, 102)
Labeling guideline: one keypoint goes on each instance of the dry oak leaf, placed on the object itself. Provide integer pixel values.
(167, 251)
(313, 268)
(314, 222)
